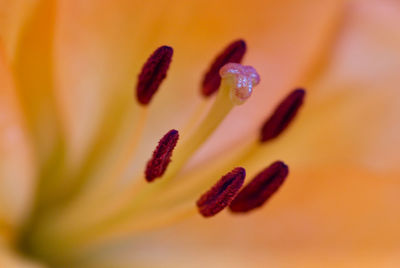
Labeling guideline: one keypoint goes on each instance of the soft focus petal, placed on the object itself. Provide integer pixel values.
(13, 15)
(16, 162)
(351, 112)
(94, 47)
(33, 71)
(363, 77)
(10, 259)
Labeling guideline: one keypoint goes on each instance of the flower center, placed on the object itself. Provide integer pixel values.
(79, 225)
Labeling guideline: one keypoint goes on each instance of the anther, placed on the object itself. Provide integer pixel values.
(232, 53)
(222, 193)
(157, 165)
(261, 188)
(153, 73)
(282, 116)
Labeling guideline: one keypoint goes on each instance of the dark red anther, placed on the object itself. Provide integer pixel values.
(233, 53)
(283, 115)
(222, 193)
(161, 156)
(261, 188)
(153, 73)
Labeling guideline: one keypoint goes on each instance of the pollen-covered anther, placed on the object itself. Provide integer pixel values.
(222, 193)
(282, 116)
(157, 165)
(153, 73)
(261, 188)
(234, 52)
(241, 79)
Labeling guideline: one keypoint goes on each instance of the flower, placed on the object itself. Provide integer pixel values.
(67, 72)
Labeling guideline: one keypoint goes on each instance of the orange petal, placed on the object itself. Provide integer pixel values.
(33, 72)
(13, 16)
(17, 169)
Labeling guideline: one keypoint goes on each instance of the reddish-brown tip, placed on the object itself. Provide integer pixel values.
(261, 188)
(234, 52)
(222, 193)
(153, 73)
(161, 156)
(283, 115)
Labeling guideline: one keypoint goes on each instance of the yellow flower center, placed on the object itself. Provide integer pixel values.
(68, 222)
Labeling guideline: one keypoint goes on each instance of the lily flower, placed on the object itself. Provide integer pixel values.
(148, 134)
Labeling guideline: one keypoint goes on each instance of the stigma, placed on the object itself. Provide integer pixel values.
(241, 79)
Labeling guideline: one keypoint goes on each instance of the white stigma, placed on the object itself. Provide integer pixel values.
(242, 79)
